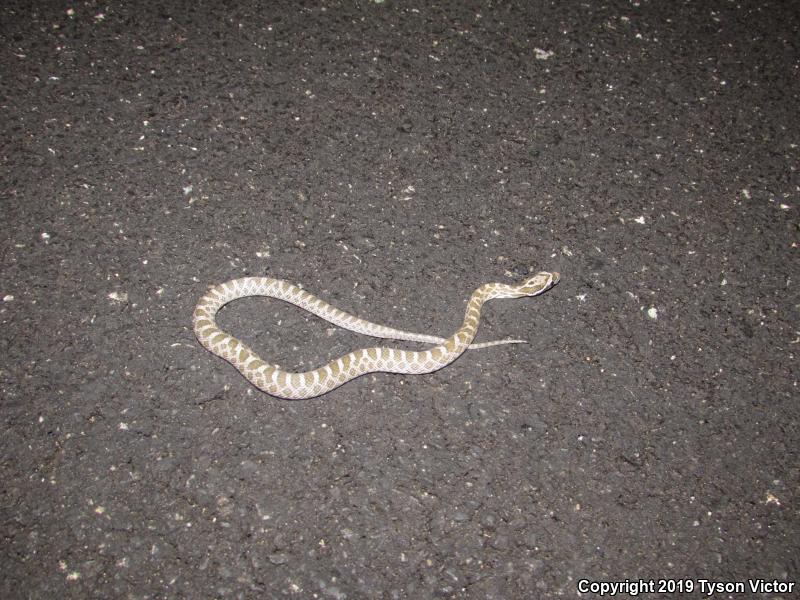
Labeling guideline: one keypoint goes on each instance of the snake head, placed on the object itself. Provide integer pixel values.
(541, 282)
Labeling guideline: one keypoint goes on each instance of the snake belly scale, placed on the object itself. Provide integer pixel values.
(274, 380)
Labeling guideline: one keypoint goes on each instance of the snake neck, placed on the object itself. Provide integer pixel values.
(461, 339)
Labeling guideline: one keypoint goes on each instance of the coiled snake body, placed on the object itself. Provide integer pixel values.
(294, 386)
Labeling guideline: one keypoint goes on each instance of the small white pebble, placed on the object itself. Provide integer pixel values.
(652, 312)
(8, 298)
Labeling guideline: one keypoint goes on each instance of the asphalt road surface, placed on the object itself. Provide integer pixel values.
(391, 157)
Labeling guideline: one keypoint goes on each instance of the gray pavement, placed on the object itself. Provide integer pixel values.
(391, 157)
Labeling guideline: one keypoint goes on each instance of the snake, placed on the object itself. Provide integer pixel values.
(281, 383)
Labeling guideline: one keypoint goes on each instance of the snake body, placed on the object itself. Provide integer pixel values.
(273, 380)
